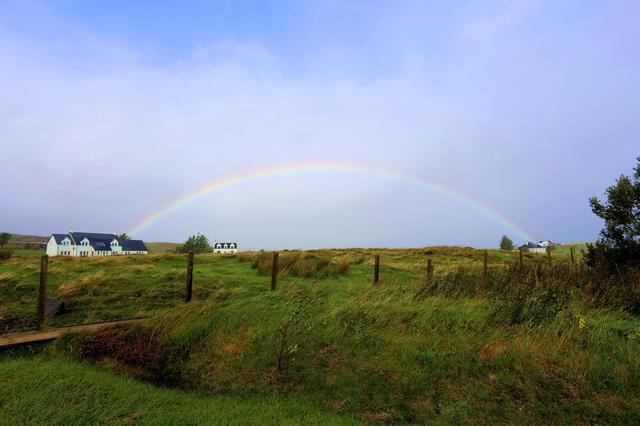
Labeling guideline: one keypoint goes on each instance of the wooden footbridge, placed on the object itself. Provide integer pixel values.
(53, 333)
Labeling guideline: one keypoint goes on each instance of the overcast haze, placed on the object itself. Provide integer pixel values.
(111, 110)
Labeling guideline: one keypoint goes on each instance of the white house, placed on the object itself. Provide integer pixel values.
(225, 247)
(534, 247)
(92, 244)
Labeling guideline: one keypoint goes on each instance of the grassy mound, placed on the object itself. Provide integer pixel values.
(394, 353)
(44, 390)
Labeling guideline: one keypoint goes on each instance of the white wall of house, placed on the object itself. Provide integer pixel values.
(84, 248)
(65, 248)
(537, 250)
(52, 247)
(116, 248)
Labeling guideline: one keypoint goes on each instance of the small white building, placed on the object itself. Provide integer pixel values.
(92, 244)
(532, 247)
(225, 247)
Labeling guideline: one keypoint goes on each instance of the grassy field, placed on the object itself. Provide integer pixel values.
(536, 346)
(123, 287)
(155, 248)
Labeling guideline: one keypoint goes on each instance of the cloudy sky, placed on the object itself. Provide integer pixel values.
(112, 111)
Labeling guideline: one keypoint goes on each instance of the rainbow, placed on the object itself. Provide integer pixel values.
(297, 169)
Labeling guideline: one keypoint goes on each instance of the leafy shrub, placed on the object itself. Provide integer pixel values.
(196, 243)
(292, 332)
(619, 243)
(506, 243)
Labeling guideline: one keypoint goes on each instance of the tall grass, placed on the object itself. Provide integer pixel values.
(544, 285)
(303, 264)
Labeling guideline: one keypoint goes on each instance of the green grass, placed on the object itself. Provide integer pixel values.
(161, 247)
(402, 351)
(20, 252)
(49, 390)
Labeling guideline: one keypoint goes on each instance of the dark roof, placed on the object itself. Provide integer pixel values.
(79, 236)
(99, 242)
(100, 245)
(229, 245)
(59, 237)
(532, 245)
(133, 245)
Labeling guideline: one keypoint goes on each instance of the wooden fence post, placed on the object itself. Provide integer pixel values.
(376, 269)
(189, 290)
(42, 291)
(572, 250)
(549, 256)
(274, 271)
(429, 270)
(486, 266)
(520, 254)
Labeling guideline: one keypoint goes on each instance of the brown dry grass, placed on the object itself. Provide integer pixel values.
(90, 284)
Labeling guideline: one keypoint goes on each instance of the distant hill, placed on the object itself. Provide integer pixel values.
(20, 238)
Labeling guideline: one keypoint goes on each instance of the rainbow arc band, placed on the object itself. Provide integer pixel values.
(306, 168)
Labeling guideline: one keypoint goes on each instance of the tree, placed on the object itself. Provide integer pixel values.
(196, 243)
(619, 242)
(124, 236)
(4, 238)
(506, 243)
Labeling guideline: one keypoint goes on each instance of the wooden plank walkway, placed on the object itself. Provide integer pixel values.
(54, 333)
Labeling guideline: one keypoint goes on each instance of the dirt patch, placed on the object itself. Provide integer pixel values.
(135, 347)
(337, 404)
